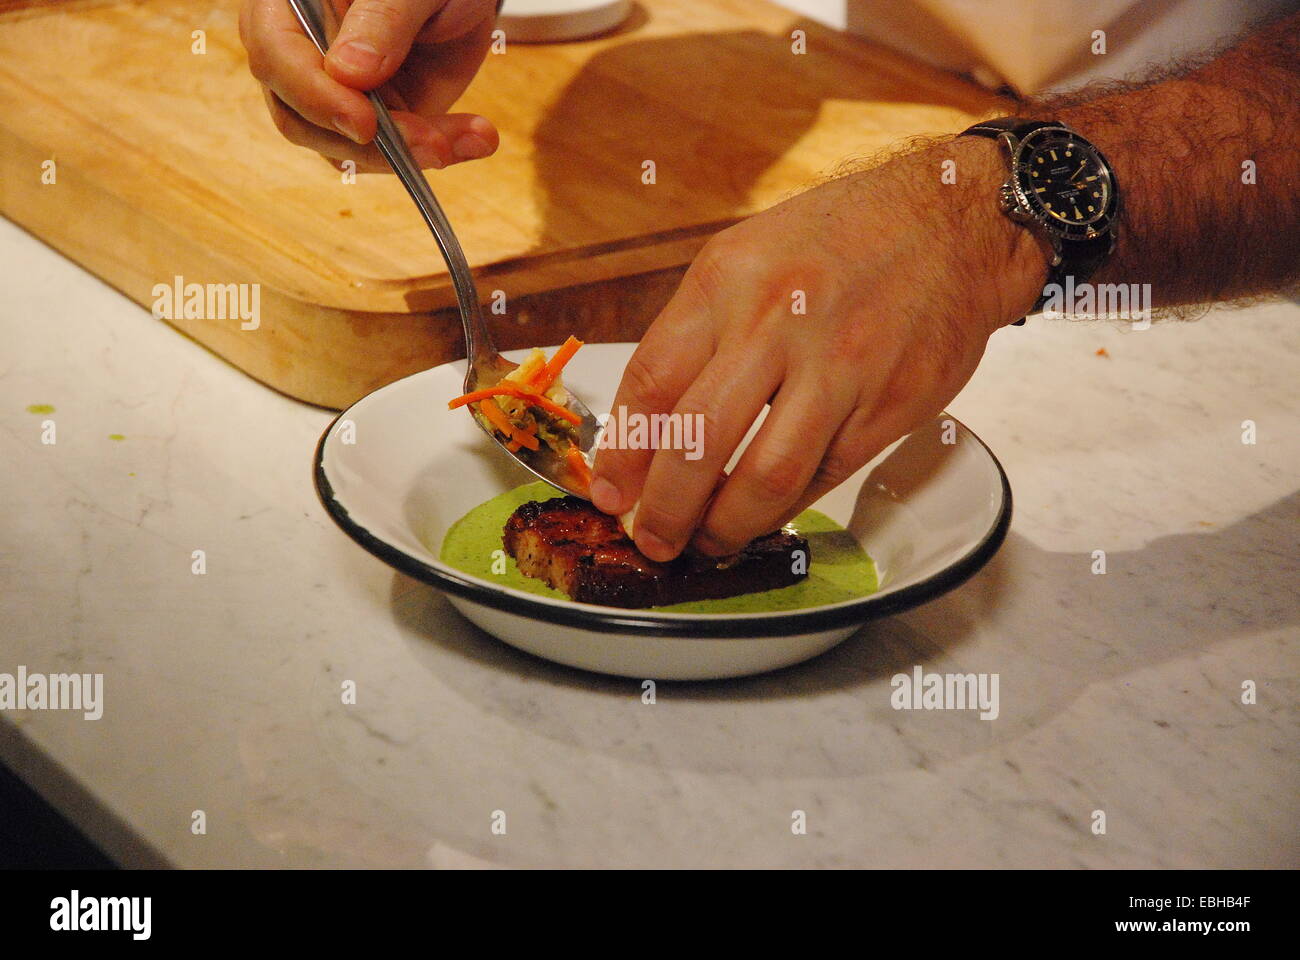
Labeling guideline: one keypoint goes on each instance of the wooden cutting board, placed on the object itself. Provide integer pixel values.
(165, 165)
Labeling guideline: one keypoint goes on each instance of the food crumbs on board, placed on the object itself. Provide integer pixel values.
(116, 436)
(40, 408)
(1101, 352)
(345, 213)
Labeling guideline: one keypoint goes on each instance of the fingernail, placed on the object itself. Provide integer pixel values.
(605, 495)
(359, 55)
(654, 547)
(469, 146)
(344, 125)
(480, 125)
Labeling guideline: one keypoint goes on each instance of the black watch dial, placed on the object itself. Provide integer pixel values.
(1064, 180)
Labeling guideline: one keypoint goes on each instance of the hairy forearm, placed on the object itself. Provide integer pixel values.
(1208, 166)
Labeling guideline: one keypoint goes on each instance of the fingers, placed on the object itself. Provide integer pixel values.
(434, 143)
(859, 439)
(874, 424)
(283, 59)
(446, 68)
(718, 408)
(313, 109)
(374, 38)
(456, 18)
(778, 464)
(670, 356)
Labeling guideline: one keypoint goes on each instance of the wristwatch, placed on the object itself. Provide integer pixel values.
(1062, 189)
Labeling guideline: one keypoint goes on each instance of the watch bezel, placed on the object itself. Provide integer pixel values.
(1031, 205)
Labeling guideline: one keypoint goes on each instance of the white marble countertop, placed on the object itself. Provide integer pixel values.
(1119, 692)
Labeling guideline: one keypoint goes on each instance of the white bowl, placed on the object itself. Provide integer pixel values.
(930, 513)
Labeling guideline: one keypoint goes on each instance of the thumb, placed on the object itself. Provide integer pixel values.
(374, 39)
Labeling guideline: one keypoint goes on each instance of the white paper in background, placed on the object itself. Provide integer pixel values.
(1042, 46)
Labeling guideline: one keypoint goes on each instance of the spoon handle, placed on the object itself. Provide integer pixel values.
(320, 22)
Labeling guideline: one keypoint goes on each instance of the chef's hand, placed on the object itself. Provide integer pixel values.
(426, 50)
(904, 278)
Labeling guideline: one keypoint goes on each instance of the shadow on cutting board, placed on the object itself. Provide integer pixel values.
(715, 113)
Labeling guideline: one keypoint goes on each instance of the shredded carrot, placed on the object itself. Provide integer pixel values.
(497, 417)
(578, 463)
(527, 434)
(546, 376)
(476, 395)
(505, 388)
(532, 392)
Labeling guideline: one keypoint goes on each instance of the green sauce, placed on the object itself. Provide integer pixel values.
(839, 569)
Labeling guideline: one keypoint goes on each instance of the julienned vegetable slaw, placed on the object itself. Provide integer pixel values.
(529, 407)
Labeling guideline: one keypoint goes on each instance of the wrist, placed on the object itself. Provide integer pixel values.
(1005, 263)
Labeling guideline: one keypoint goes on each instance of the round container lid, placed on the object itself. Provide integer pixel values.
(551, 21)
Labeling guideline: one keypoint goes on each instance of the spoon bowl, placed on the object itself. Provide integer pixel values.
(543, 462)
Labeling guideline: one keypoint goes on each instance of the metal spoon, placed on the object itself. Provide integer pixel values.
(486, 366)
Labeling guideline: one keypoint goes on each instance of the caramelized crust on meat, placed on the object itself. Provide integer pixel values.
(577, 549)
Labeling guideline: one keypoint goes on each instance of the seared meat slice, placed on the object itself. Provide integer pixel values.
(577, 549)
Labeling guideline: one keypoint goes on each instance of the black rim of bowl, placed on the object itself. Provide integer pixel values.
(613, 620)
